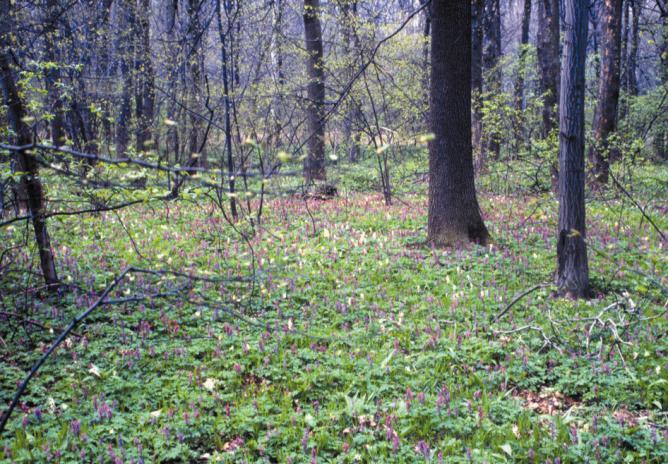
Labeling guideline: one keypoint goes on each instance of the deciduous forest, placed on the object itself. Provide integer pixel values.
(351, 231)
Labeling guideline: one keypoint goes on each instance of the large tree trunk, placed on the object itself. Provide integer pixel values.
(548, 60)
(454, 214)
(524, 41)
(605, 119)
(477, 9)
(144, 91)
(27, 164)
(314, 164)
(573, 271)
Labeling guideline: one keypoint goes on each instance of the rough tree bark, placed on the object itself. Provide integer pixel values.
(548, 60)
(572, 270)
(454, 214)
(314, 164)
(26, 163)
(605, 116)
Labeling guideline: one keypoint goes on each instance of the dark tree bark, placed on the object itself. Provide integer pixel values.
(573, 271)
(144, 91)
(454, 214)
(26, 163)
(524, 41)
(314, 164)
(661, 137)
(548, 60)
(477, 12)
(605, 116)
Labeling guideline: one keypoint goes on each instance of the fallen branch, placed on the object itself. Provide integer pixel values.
(518, 298)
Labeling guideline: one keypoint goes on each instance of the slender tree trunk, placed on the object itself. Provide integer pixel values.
(548, 60)
(573, 271)
(524, 41)
(228, 106)
(52, 74)
(605, 121)
(661, 136)
(350, 123)
(144, 91)
(477, 12)
(632, 80)
(491, 56)
(125, 55)
(196, 76)
(454, 214)
(314, 164)
(426, 32)
(25, 161)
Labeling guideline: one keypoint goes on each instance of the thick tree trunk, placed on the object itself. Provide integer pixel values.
(314, 164)
(477, 10)
(632, 64)
(26, 163)
(605, 120)
(548, 60)
(573, 271)
(524, 41)
(144, 91)
(454, 214)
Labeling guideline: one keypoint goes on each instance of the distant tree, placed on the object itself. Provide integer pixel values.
(605, 116)
(145, 78)
(548, 60)
(524, 41)
(314, 164)
(477, 16)
(351, 123)
(491, 55)
(30, 184)
(125, 53)
(454, 213)
(573, 270)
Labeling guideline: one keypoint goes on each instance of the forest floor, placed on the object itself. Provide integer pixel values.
(353, 343)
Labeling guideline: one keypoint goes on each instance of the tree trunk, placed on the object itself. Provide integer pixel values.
(573, 271)
(26, 163)
(477, 10)
(125, 54)
(314, 164)
(605, 120)
(524, 41)
(632, 63)
(454, 214)
(144, 91)
(52, 75)
(491, 56)
(228, 106)
(548, 60)
(196, 76)
(350, 124)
